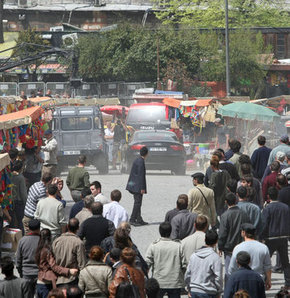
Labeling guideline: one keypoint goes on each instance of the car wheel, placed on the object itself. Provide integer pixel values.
(102, 165)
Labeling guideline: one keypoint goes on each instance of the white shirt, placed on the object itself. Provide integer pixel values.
(115, 212)
(101, 198)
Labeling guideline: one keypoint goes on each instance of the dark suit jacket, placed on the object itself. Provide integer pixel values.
(137, 178)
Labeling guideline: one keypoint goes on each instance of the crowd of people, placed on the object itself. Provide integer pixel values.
(238, 211)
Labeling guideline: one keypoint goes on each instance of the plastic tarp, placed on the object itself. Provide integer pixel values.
(168, 92)
(19, 118)
(4, 161)
(41, 100)
(94, 101)
(9, 99)
(175, 103)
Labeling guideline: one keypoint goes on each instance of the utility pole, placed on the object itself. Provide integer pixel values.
(1, 21)
(228, 78)
(158, 66)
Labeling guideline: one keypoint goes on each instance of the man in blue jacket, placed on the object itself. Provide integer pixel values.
(137, 186)
(245, 278)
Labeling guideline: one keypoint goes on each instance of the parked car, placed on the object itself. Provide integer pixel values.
(80, 130)
(165, 151)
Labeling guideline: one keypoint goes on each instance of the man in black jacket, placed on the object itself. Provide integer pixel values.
(96, 228)
(276, 230)
(137, 186)
(230, 229)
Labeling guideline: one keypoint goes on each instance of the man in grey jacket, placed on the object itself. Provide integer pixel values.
(204, 274)
(168, 263)
(182, 223)
(25, 256)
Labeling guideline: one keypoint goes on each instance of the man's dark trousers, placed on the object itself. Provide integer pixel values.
(136, 212)
(281, 246)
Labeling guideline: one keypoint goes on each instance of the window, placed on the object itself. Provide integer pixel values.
(97, 123)
(74, 123)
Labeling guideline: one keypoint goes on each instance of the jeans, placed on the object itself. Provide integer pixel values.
(42, 290)
(172, 293)
(228, 256)
(31, 281)
(136, 212)
(281, 246)
(201, 295)
(17, 215)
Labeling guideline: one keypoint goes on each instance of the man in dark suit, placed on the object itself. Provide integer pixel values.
(137, 186)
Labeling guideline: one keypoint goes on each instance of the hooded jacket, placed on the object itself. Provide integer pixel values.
(204, 272)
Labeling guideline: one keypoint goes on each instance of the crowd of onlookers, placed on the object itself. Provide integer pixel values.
(237, 211)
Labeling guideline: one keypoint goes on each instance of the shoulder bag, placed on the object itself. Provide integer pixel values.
(134, 287)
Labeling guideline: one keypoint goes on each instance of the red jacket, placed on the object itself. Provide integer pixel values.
(270, 180)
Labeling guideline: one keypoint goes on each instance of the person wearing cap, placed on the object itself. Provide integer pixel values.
(260, 158)
(222, 134)
(25, 255)
(276, 230)
(284, 147)
(201, 199)
(78, 178)
(50, 154)
(286, 170)
(259, 253)
(245, 278)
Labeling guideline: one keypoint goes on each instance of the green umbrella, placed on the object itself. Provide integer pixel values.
(247, 111)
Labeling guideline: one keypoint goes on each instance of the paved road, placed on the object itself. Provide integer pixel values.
(163, 190)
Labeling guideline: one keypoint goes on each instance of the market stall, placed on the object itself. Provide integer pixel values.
(249, 120)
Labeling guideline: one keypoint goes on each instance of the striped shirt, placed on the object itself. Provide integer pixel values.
(36, 192)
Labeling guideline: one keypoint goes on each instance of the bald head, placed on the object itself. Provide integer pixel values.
(97, 208)
(73, 225)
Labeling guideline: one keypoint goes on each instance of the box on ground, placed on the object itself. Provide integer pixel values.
(10, 239)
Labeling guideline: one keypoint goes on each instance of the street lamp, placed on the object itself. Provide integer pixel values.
(228, 83)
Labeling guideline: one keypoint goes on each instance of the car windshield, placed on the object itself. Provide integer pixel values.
(76, 123)
(154, 136)
(147, 114)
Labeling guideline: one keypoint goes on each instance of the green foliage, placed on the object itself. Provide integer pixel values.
(247, 60)
(211, 14)
(130, 53)
(185, 56)
(34, 45)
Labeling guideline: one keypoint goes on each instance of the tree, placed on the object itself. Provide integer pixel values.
(211, 14)
(130, 53)
(248, 57)
(29, 43)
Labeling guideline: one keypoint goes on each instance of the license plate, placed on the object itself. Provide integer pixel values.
(158, 149)
(71, 152)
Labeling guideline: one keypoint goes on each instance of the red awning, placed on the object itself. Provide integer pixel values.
(114, 109)
(203, 102)
(172, 102)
